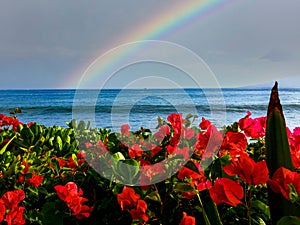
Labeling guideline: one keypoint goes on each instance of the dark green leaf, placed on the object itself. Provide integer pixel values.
(289, 220)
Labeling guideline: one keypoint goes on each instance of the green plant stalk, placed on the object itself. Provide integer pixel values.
(277, 155)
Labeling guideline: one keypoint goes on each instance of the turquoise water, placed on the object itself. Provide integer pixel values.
(111, 108)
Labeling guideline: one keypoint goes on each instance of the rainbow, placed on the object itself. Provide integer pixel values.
(174, 18)
(168, 22)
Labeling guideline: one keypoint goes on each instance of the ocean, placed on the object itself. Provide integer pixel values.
(110, 108)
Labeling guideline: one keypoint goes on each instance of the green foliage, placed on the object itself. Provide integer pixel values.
(76, 153)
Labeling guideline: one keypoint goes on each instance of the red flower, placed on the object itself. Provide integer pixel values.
(198, 180)
(187, 133)
(128, 198)
(26, 167)
(294, 141)
(176, 122)
(185, 152)
(80, 160)
(69, 189)
(125, 129)
(162, 132)
(71, 195)
(205, 124)
(280, 180)
(139, 213)
(254, 128)
(135, 151)
(11, 199)
(151, 173)
(61, 161)
(35, 180)
(15, 216)
(84, 212)
(234, 143)
(2, 210)
(187, 220)
(9, 206)
(226, 191)
(248, 170)
(79, 210)
(208, 142)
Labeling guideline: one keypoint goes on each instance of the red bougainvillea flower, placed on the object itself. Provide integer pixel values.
(139, 213)
(9, 209)
(248, 170)
(69, 189)
(128, 198)
(175, 119)
(26, 167)
(97, 149)
(185, 152)
(226, 191)
(125, 129)
(187, 133)
(162, 132)
(71, 195)
(253, 128)
(205, 124)
(8, 121)
(234, 143)
(35, 180)
(15, 216)
(150, 173)
(187, 220)
(61, 161)
(80, 161)
(198, 180)
(208, 142)
(75, 204)
(135, 151)
(2, 210)
(281, 179)
(11, 199)
(294, 141)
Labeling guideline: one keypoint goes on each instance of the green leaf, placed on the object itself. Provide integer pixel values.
(27, 135)
(126, 170)
(261, 207)
(58, 142)
(74, 157)
(154, 196)
(210, 210)
(52, 213)
(278, 155)
(55, 164)
(3, 149)
(184, 187)
(192, 166)
(118, 156)
(289, 220)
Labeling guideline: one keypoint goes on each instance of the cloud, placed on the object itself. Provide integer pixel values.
(278, 55)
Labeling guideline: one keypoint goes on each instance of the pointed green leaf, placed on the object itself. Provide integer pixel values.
(3, 149)
(277, 155)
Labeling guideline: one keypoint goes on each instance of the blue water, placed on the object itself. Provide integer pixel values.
(140, 108)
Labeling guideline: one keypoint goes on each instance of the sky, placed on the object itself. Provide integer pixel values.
(52, 44)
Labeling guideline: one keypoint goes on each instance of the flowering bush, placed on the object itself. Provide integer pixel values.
(83, 175)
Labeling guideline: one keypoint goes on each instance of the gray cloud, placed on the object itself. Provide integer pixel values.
(55, 37)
